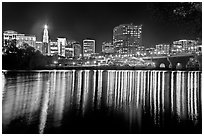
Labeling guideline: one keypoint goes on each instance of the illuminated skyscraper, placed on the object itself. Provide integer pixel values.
(77, 49)
(88, 47)
(126, 38)
(61, 43)
(107, 47)
(46, 46)
(45, 35)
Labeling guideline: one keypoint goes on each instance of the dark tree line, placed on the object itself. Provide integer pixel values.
(24, 58)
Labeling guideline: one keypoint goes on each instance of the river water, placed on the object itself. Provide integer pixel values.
(101, 101)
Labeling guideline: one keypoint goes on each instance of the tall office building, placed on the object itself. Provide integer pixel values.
(53, 48)
(77, 50)
(69, 49)
(88, 47)
(46, 45)
(107, 47)
(61, 43)
(126, 38)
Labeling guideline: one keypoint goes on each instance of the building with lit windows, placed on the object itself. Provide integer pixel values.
(22, 39)
(77, 49)
(107, 47)
(61, 43)
(46, 45)
(17, 39)
(9, 37)
(53, 48)
(184, 46)
(150, 51)
(38, 45)
(126, 38)
(162, 49)
(88, 47)
(69, 50)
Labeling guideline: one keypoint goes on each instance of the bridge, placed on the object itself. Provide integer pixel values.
(181, 61)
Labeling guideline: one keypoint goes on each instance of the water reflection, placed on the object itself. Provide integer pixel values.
(47, 101)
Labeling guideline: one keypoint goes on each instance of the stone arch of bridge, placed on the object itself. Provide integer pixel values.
(162, 63)
(182, 61)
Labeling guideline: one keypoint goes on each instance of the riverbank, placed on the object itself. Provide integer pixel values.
(99, 68)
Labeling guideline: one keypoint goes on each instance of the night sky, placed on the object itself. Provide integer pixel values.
(79, 21)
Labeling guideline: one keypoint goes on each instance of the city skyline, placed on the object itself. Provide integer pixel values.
(95, 21)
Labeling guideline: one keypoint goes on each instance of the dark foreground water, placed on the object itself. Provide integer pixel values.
(97, 101)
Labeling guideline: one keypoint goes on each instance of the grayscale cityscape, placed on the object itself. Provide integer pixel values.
(101, 67)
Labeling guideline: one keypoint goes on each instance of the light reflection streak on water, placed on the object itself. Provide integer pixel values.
(99, 94)
(183, 95)
(150, 91)
(195, 95)
(115, 89)
(79, 87)
(85, 91)
(158, 96)
(137, 88)
(188, 90)
(178, 96)
(72, 83)
(144, 90)
(118, 90)
(43, 116)
(108, 89)
(60, 99)
(163, 84)
(192, 89)
(155, 97)
(172, 92)
(94, 87)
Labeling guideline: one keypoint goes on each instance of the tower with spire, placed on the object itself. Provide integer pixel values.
(45, 35)
(46, 46)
